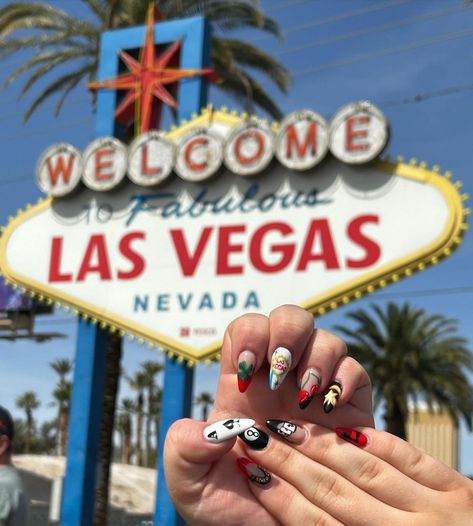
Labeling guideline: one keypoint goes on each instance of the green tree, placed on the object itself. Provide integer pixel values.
(125, 428)
(62, 398)
(411, 355)
(205, 400)
(64, 49)
(29, 403)
(150, 369)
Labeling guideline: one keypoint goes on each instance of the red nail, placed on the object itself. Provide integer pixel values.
(253, 472)
(353, 436)
(246, 370)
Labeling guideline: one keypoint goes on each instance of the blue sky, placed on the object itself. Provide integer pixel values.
(389, 52)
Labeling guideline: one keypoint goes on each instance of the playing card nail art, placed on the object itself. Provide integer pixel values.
(280, 364)
(353, 436)
(246, 369)
(226, 429)
(332, 396)
(253, 471)
(289, 431)
(255, 438)
(309, 386)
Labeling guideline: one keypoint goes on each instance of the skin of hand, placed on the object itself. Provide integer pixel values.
(203, 479)
(326, 480)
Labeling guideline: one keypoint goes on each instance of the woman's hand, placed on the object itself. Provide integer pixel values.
(312, 379)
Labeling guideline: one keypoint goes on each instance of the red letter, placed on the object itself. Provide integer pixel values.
(372, 249)
(225, 248)
(245, 135)
(96, 245)
(327, 254)
(55, 262)
(195, 167)
(60, 168)
(187, 261)
(131, 255)
(310, 139)
(286, 250)
(356, 134)
(145, 168)
(101, 164)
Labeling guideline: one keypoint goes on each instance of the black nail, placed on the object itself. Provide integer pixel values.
(255, 438)
(332, 396)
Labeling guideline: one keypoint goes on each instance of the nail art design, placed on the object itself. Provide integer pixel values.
(253, 471)
(280, 364)
(332, 396)
(287, 430)
(225, 429)
(309, 386)
(246, 369)
(255, 438)
(353, 436)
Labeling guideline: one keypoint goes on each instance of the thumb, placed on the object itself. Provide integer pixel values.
(192, 447)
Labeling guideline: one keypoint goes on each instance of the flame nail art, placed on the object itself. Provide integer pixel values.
(253, 471)
(280, 364)
(353, 436)
(309, 386)
(246, 369)
(332, 396)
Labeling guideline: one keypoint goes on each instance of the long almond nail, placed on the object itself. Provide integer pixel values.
(253, 471)
(255, 438)
(332, 396)
(246, 370)
(289, 431)
(310, 384)
(280, 364)
(226, 429)
(353, 436)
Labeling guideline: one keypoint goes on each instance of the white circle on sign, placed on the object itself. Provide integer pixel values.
(105, 164)
(59, 170)
(302, 141)
(249, 148)
(150, 159)
(359, 132)
(199, 155)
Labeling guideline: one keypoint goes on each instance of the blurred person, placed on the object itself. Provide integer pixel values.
(13, 500)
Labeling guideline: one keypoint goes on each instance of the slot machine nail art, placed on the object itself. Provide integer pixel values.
(226, 429)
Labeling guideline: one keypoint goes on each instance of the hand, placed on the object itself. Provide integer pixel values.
(325, 480)
(201, 476)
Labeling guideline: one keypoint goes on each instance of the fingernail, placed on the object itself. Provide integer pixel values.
(226, 429)
(352, 435)
(332, 396)
(287, 430)
(310, 384)
(253, 471)
(280, 364)
(246, 369)
(255, 438)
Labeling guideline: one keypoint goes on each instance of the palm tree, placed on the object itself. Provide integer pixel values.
(62, 396)
(410, 355)
(206, 400)
(150, 369)
(155, 412)
(63, 40)
(28, 402)
(139, 383)
(125, 427)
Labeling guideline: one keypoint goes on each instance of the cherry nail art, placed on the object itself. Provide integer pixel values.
(253, 471)
(246, 369)
(309, 386)
(353, 436)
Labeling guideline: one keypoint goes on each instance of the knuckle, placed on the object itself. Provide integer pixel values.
(247, 325)
(369, 473)
(327, 487)
(292, 315)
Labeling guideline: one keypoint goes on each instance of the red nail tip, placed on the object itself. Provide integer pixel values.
(353, 436)
(242, 463)
(243, 384)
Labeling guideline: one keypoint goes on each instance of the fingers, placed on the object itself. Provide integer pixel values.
(192, 447)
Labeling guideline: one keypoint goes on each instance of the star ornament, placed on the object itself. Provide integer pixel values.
(146, 79)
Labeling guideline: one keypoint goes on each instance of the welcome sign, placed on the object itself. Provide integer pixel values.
(171, 238)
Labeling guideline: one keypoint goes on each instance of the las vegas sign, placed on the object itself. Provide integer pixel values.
(171, 237)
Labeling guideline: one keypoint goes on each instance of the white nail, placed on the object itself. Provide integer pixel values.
(280, 364)
(225, 429)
